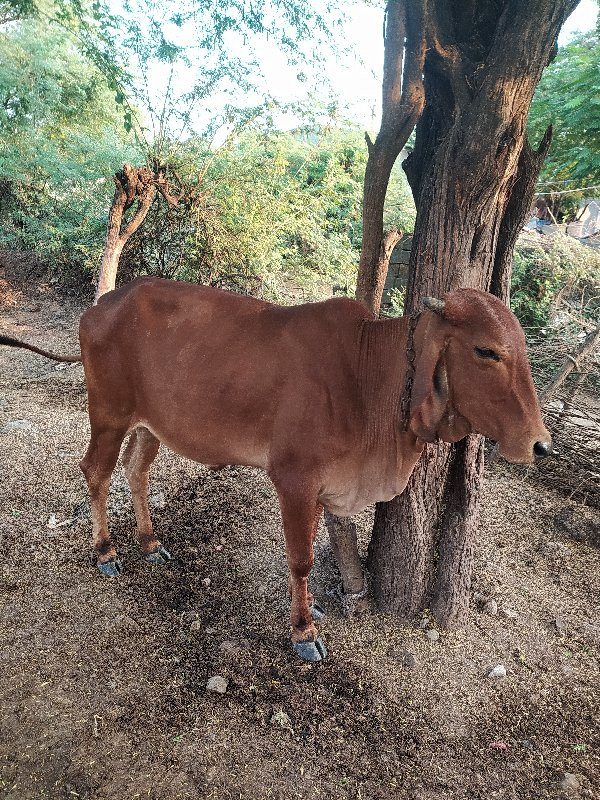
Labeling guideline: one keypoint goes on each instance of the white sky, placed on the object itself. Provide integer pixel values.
(360, 85)
(353, 82)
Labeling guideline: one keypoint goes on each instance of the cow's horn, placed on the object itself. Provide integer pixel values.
(433, 304)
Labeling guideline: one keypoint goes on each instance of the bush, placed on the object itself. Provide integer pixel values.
(546, 276)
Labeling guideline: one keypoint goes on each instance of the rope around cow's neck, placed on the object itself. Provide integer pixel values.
(410, 371)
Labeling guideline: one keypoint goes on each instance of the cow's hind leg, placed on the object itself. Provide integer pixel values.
(300, 518)
(97, 465)
(139, 454)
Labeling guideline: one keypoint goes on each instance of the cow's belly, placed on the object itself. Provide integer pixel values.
(207, 446)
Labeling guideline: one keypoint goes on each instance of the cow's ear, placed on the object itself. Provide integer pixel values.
(429, 397)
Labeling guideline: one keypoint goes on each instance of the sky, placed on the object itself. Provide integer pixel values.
(352, 81)
(358, 81)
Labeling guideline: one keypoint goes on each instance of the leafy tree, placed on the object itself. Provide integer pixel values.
(464, 74)
(60, 134)
(568, 98)
(272, 213)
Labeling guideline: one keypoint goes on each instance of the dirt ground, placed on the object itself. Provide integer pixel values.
(103, 683)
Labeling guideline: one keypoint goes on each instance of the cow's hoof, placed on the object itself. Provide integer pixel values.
(159, 556)
(311, 651)
(113, 568)
(317, 611)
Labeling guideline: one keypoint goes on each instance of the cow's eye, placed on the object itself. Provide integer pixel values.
(486, 352)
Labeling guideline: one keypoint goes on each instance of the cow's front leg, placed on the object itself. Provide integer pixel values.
(301, 513)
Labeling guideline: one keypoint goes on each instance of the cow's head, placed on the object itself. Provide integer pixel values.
(472, 376)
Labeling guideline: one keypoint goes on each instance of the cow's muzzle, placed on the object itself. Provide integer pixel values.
(542, 449)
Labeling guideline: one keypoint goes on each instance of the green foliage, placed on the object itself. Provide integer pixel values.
(61, 137)
(567, 271)
(568, 98)
(278, 214)
(275, 214)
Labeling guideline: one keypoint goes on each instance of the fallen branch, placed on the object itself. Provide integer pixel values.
(589, 345)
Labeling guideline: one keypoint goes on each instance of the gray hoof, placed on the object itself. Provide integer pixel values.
(159, 556)
(311, 651)
(317, 611)
(113, 568)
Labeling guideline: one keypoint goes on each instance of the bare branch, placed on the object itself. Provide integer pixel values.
(589, 345)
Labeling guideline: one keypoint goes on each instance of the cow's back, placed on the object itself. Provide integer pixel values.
(219, 377)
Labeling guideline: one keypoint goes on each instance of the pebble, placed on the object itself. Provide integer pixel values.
(157, 500)
(509, 613)
(499, 671)
(281, 718)
(217, 684)
(560, 625)
(196, 625)
(490, 607)
(18, 425)
(206, 582)
(409, 660)
(569, 783)
(432, 635)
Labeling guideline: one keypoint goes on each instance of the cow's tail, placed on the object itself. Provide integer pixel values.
(10, 342)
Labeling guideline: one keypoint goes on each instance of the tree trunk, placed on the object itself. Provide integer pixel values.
(472, 175)
(403, 100)
(402, 103)
(131, 184)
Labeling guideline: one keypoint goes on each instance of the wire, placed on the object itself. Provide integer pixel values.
(570, 191)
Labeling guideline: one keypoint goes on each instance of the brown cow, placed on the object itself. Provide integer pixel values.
(312, 394)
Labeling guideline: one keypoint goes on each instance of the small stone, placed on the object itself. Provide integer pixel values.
(51, 521)
(569, 783)
(18, 425)
(490, 607)
(157, 500)
(189, 616)
(281, 718)
(218, 547)
(196, 625)
(560, 625)
(499, 671)
(432, 635)
(206, 582)
(509, 613)
(217, 684)
(409, 660)
(223, 540)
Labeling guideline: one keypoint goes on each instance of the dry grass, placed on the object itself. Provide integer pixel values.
(103, 683)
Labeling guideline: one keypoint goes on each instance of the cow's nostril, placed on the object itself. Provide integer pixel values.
(542, 448)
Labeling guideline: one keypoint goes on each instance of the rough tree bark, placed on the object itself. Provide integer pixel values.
(403, 101)
(403, 98)
(472, 174)
(131, 184)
